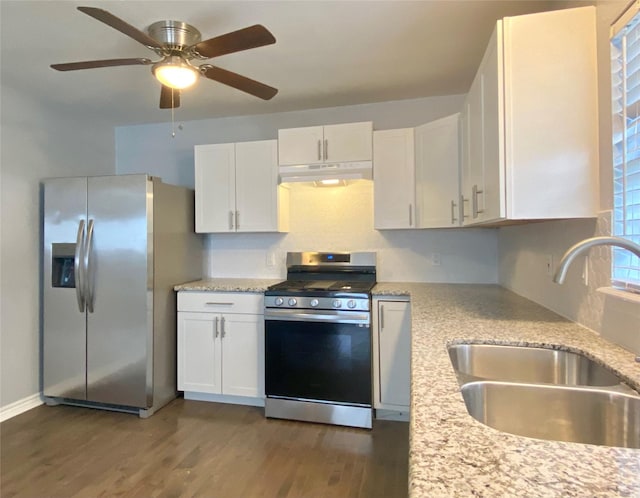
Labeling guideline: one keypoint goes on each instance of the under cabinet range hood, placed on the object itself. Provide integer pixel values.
(357, 170)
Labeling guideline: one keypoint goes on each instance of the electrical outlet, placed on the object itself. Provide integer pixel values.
(549, 263)
(435, 259)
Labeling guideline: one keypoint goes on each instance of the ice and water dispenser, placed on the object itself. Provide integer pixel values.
(63, 265)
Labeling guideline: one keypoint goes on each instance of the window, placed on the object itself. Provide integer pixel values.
(625, 87)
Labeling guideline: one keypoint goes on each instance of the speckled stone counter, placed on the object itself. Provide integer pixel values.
(228, 285)
(451, 454)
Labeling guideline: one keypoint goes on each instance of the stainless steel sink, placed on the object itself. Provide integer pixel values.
(558, 413)
(473, 362)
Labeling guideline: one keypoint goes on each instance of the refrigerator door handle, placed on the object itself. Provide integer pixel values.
(77, 267)
(88, 268)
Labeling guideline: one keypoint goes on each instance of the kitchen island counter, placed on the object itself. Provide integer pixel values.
(451, 454)
(228, 285)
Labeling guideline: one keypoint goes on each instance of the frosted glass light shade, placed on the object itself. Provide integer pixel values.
(174, 72)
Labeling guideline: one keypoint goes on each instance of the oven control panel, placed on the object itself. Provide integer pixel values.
(323, 303)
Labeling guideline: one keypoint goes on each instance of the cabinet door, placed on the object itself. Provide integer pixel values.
(348, 142)
(472, 173)
(551, 114)
(300, 145)
(243, 355)
(215, 187)
(394, 346)
(437, 173)
(490, 201)
(393, 179)
(199, 352)
(257, 186)
(465, 162)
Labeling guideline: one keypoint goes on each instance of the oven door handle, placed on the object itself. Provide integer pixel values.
(328, 316)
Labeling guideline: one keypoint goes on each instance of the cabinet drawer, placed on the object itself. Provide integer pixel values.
(218, 302)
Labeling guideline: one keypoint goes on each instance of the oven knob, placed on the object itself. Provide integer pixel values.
(314, 303)
(351, 303)
(279, 301)
(337, 303)
(292, 302)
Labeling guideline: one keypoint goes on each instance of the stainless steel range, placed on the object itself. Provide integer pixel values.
(318, 339)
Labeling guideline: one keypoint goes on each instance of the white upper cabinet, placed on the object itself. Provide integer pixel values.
(393, 179)
(438, 173)
(237, 188)
(321, 144)
(530, 121)
(215, 187)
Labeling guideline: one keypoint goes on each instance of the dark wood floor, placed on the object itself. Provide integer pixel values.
(192, 448)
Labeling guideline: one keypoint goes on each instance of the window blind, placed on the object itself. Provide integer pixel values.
(625, 88)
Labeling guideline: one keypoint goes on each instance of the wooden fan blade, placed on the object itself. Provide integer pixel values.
(242, 83)
(73, 66)
(116, 23)
(243, 39)
(169, 98)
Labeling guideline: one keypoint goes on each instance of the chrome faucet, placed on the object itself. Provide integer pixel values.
(586, 244)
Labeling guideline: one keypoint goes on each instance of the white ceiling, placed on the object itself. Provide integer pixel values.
(328, 53)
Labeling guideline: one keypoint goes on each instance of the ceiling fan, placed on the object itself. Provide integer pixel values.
(178, 43)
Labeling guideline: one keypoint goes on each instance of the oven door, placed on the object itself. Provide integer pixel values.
(318, 355)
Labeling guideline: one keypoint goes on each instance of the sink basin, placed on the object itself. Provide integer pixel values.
(558, 413)
(473, 362)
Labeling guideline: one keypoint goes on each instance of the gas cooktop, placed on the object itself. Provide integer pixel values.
(322, 285)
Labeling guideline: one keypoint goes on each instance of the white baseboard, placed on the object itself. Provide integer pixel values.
(20, 406)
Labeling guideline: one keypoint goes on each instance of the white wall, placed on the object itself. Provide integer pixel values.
(36, 142)
(523, 249)
(321, 219)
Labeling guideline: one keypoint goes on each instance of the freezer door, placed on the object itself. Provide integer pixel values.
(64, 321)
(119, 290)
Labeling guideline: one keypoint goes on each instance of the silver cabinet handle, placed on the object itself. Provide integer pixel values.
(326, 149)
(222, 326)
(237, 220)
(410, 215)
(381, 316)
(216, 327)
(77, 267)
(215, 303)
(319, 150)
(88, 268)
(462, 201)
(230, 220)
(474, 201)
(453, 212)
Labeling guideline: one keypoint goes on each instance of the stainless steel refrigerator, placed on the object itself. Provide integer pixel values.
(114, 247)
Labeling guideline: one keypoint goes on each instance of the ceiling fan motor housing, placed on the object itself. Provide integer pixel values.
(174, 35)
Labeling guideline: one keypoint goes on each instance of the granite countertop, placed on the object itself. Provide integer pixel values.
(451, 454)
(228, 285)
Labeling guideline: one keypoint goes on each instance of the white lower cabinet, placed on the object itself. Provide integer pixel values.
(221, 347)
(392, 355)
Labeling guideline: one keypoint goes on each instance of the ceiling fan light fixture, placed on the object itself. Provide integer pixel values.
(175, 72)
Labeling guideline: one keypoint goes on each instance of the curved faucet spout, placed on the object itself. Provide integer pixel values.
(586, 244)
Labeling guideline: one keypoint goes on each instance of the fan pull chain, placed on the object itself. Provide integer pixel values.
(173, 122)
